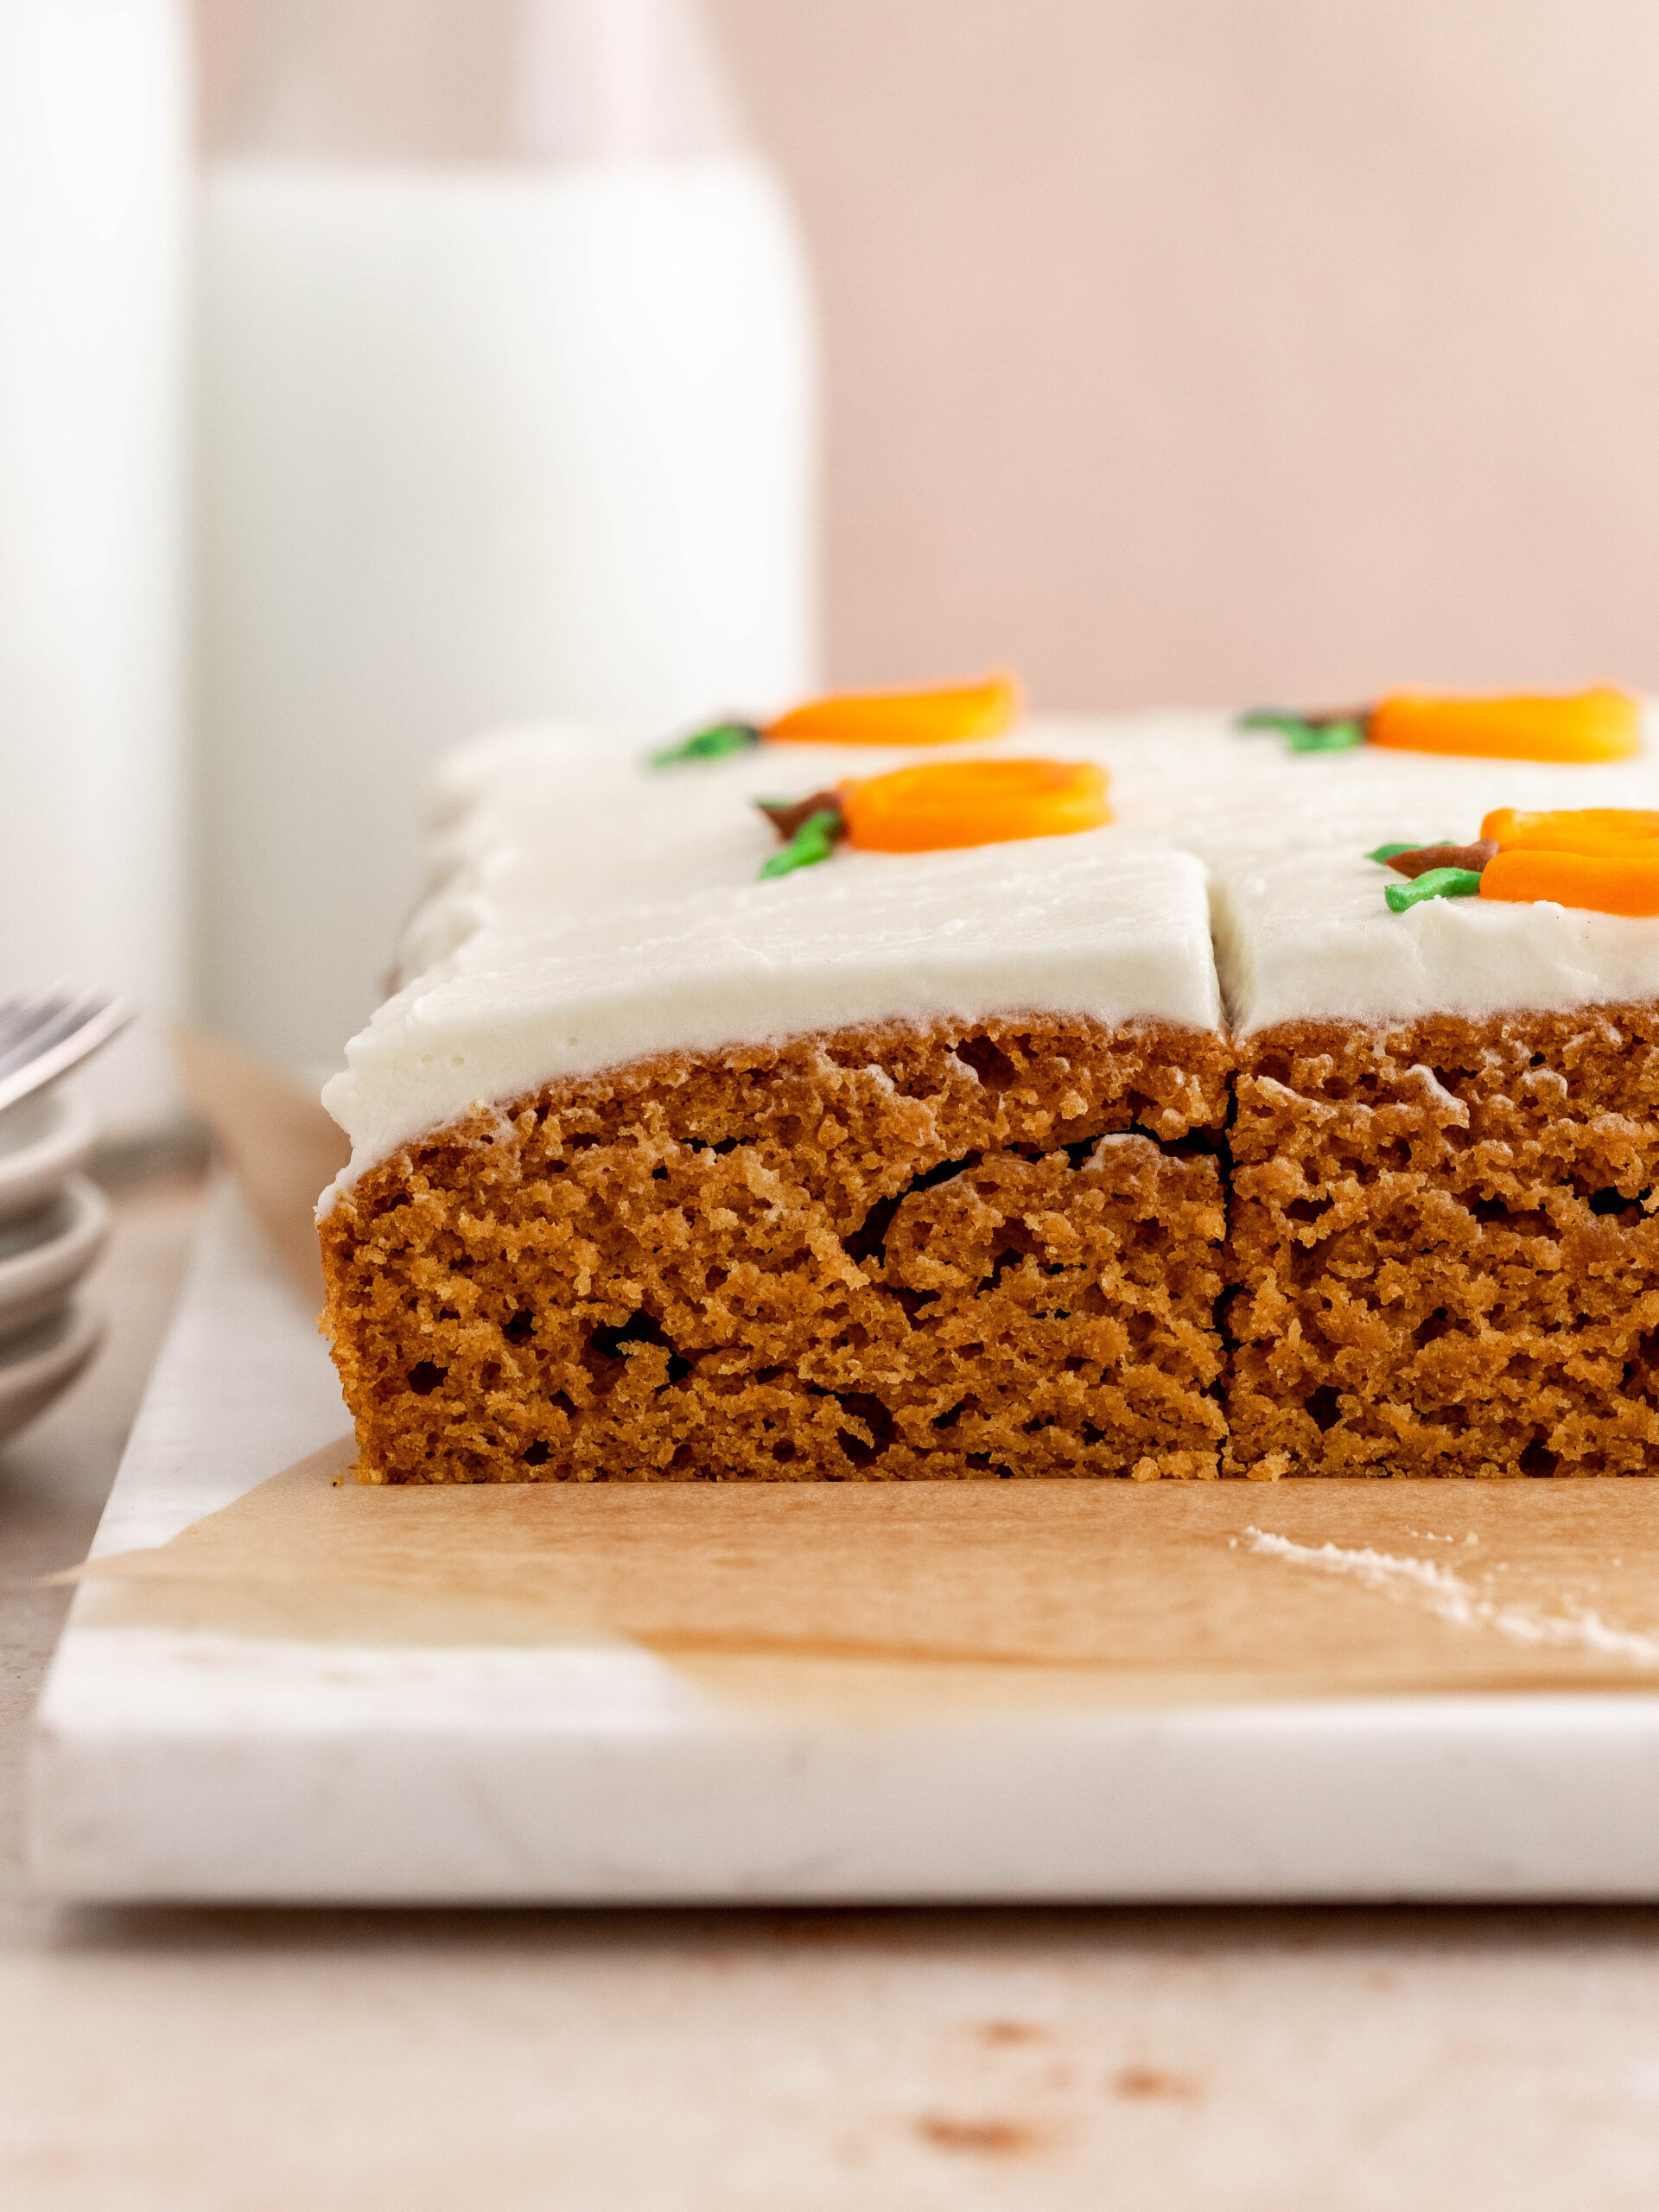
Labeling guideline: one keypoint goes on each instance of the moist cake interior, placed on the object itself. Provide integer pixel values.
(1443, 1248)
(919, 1254)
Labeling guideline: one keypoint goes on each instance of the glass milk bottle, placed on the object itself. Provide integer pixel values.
(94, 154)
(507, 411)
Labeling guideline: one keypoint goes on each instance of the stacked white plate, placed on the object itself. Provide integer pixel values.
(53, 1225)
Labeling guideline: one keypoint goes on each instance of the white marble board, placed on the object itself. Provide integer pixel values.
(211, 1767)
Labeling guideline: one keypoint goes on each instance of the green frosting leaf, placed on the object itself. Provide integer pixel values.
(1307, 732)
(1326, 737)
(815, 840)
(711, 744)
(1437, 883)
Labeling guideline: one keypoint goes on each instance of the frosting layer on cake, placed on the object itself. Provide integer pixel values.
(1302, 931)
(586, 912)
(589, 913)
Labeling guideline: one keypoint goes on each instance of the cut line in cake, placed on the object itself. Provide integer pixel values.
(1157, 1146)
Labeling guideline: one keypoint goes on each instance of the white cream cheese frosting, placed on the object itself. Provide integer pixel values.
(586, 912)
(1303, 936)
(1302, 931)
(589, 914)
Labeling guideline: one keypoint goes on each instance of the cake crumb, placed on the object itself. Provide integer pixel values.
(997, 2136)
(1144, 2082)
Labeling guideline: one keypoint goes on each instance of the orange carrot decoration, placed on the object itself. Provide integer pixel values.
(1598, 881)
(1578, 829)
(952, 802)
(947, 716)
(1600, 725)
(1604, 858)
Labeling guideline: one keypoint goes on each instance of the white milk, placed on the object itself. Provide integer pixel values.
(93, 147)
(481, 442)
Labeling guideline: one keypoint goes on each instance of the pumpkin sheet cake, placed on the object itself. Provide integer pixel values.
(906, 1090)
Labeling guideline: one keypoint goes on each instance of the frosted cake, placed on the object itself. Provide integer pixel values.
(1159, 1145)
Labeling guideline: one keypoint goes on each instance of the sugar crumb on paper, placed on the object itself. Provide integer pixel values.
(1448, 1596)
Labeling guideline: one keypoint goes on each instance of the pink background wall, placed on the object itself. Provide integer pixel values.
(1209, 349)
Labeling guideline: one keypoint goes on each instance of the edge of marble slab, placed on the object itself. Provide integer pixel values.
(211, 1769)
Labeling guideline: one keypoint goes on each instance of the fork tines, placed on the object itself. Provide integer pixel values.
(44, 1033)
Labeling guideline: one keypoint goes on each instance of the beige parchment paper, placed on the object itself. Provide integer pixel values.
(878, 1599)
(883, 1598)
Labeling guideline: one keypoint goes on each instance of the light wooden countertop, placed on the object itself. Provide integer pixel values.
(294, 2062)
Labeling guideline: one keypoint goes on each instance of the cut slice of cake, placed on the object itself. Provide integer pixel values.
(1444, 1215)
(902, 1166)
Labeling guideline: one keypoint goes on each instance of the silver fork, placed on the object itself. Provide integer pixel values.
(45, 1033)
